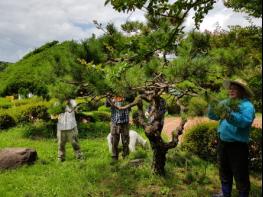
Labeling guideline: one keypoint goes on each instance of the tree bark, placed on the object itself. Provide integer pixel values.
(159, 155)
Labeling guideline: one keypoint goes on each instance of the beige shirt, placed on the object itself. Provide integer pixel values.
(67, 120)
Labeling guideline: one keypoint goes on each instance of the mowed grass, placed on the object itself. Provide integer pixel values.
(187, 175)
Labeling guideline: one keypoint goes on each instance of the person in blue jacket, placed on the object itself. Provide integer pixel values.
(233, 130)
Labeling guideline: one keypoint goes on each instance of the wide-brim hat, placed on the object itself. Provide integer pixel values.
(241, 83)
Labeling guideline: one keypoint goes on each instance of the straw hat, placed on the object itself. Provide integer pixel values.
(240, 83)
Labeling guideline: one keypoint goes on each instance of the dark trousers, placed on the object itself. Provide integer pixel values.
(233, 162)
(118, 130)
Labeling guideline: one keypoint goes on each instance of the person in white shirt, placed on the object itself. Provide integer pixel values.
(67, 130)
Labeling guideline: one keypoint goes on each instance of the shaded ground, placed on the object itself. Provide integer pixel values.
(170, 123)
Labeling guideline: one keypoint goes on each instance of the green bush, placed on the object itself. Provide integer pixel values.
(40, 129)
(4, 103)
(6, 121)
(26, 101)
(255, 149)
(56, 108)
(33, 112)
(93, 129)
(197, 106)
(29, 112)
(95, 116)
(200, 140)
(89, 105)
(104, 108)
(172, 107)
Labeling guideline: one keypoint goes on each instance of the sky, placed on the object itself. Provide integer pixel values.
(28, 24)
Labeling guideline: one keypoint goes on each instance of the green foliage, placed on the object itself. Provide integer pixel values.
(200, 140)
(93, 129)
(6, 120)
(63, 91)
(255, 149)
(224, 107)
(103, 108)
(197, 106)
(5, 103)
(172, 107)
(29, 112)
(3, 65)
(42, 70)
(95, 116)
(40, 49)
(40, 129)
(94, 49)
(57, 108)
(47, 177)
(253, 8)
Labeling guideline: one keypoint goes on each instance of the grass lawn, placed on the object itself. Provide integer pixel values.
(187, 175)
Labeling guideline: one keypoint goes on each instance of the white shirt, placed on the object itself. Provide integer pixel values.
(67, 120)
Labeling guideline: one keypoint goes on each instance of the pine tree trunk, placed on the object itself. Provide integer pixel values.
(159, 159)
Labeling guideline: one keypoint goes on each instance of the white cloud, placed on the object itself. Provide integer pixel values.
(222, 16)
(25, 25)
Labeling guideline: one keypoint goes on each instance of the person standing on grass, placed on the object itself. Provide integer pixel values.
(67, 130)
(119, 126)
(235, 122)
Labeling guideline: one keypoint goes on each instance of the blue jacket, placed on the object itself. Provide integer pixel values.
(237, 126)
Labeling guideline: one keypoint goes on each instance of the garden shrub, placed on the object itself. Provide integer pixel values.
(26, 101)
(6, 121)
(104, 108)
(93, 129)
(255, 149)
(197, 106)
(5, 103)
(95, 116)
(40, 129)
(88, 104)
(200, 140)
(31, 113)
(172, 107)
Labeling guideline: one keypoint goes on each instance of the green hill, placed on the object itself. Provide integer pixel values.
(4, 65)
(37, 71)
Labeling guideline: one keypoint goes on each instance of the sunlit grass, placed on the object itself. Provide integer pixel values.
(187, 175)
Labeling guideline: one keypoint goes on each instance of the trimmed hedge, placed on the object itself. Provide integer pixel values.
(5, 103)
(93, 129)
(23, 114)
(197, 106)
(6, 121)
(94, 116)
(40, 129)
(201, 140)
(255, 149)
